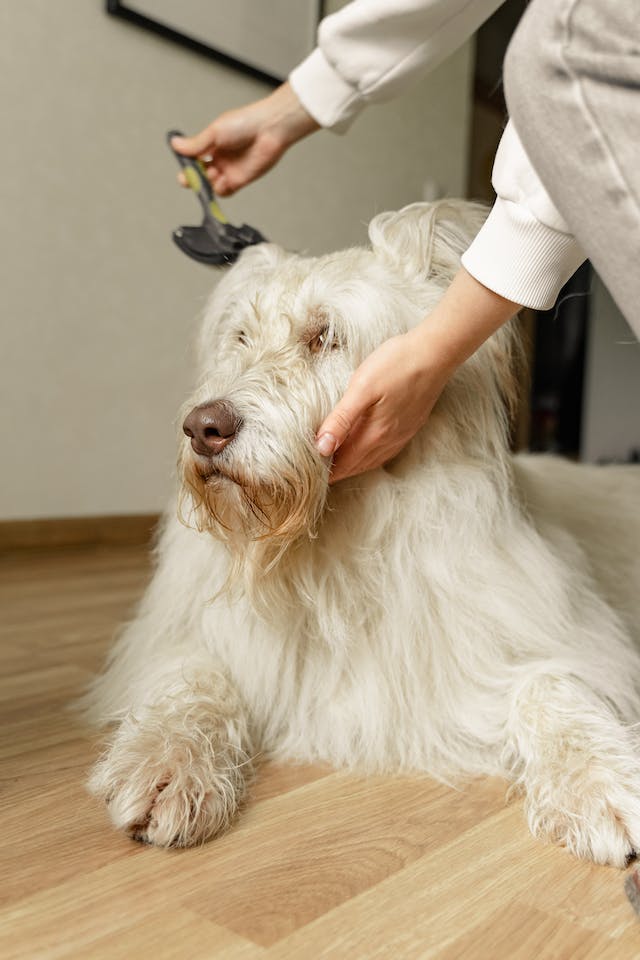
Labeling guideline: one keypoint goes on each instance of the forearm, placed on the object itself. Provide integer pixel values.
(464, 318)
(288, 116)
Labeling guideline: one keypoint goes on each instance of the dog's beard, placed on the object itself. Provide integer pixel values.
(239, 506)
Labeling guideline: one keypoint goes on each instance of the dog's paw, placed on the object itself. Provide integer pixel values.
(597, 819)
(170, 788)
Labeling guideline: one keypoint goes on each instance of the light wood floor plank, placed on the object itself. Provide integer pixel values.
(537, 935)
(421, 911)
(359, 831)
(176, 934)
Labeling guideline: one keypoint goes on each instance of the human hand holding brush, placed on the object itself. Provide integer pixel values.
(240, 145)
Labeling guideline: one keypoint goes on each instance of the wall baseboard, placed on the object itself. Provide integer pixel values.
(133, 530)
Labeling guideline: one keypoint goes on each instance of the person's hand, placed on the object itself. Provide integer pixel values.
(241, 145)
(389, 398)
(391, 394)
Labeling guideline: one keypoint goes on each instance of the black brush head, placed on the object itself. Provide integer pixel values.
(223, 247)
(216, 241)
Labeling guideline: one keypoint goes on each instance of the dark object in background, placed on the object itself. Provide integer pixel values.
(558, 369)
(632, 890)
(216, 241)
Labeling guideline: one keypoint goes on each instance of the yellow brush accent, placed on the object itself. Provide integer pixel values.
(195, 184)
(193, 178)
(217, 212)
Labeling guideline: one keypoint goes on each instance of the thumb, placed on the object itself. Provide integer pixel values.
(203, 142)
(341, 421)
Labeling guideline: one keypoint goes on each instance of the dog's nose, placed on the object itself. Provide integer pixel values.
(211, 427)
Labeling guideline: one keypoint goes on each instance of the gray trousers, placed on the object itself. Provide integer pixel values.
(572, 85)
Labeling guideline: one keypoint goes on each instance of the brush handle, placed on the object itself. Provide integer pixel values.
(198, 181)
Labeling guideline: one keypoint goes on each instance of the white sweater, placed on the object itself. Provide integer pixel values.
(370, 51)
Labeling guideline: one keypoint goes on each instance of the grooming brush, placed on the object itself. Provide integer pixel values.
(215, 241)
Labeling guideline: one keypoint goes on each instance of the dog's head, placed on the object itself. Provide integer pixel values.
(281, 337)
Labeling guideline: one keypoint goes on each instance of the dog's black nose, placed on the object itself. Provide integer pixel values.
(211, 427)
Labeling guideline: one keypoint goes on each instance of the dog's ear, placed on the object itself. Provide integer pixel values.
(427, 239)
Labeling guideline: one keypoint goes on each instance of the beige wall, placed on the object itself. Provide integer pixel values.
(98, 306)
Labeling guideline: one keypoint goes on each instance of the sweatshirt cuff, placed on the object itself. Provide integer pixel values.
(331, 101)
(520, 258)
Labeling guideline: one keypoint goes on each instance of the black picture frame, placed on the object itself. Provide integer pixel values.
(119, 9)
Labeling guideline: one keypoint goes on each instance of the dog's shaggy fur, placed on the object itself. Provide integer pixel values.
(456, 612)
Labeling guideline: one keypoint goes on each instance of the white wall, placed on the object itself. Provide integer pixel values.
(98, 306)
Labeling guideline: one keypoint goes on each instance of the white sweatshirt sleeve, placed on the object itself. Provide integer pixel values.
(371, 50)
(525, 250)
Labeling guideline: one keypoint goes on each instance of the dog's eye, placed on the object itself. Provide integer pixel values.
(241, 338)
(322, 341)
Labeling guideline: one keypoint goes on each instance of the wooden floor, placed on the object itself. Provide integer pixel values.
(319, 865)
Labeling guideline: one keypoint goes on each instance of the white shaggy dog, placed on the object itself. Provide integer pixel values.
(456, 613)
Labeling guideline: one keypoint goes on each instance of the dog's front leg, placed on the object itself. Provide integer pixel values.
(177, 765)
(579, 766)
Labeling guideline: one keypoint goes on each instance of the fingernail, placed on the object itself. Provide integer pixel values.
(327, 444)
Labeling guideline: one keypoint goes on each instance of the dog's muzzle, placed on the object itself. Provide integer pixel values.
(211, 427)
